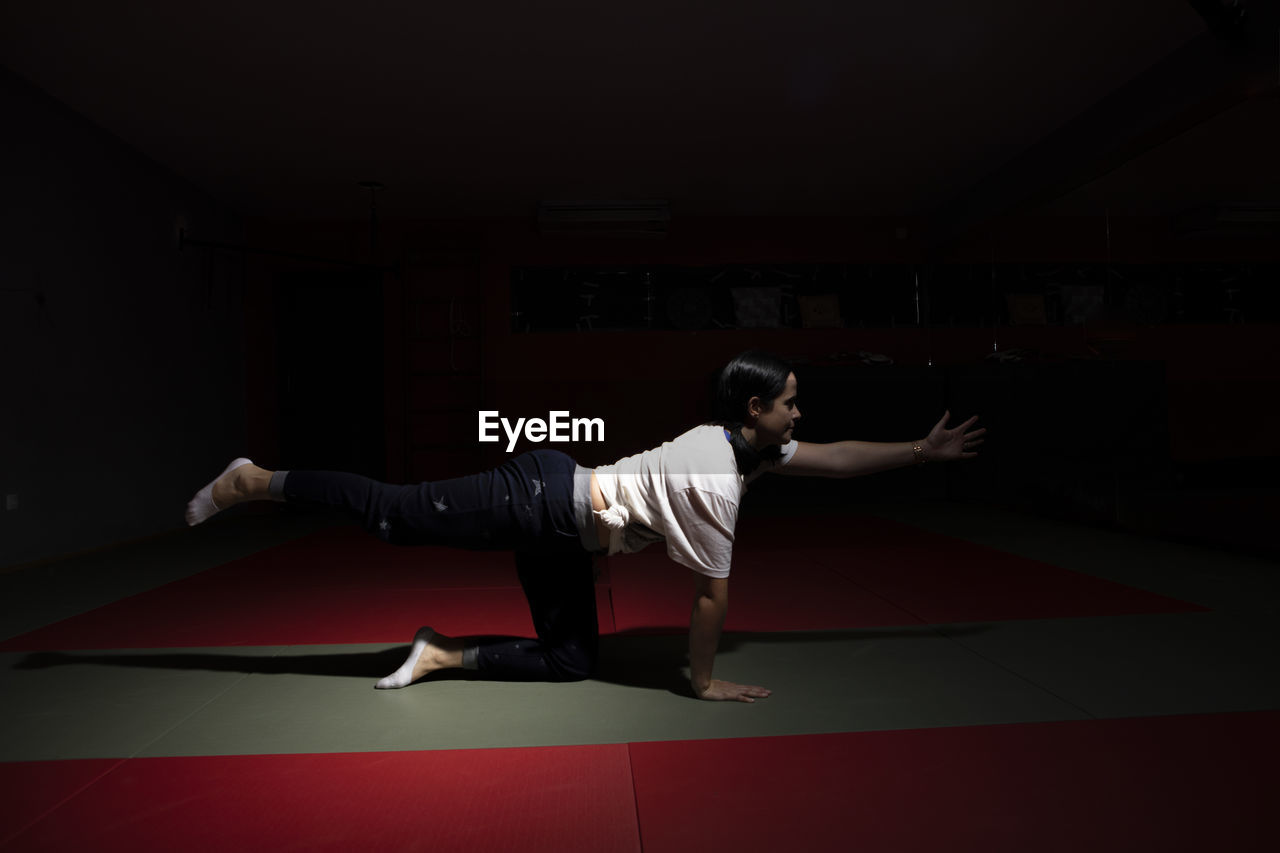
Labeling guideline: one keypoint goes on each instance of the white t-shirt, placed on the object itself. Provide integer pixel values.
(685, 492)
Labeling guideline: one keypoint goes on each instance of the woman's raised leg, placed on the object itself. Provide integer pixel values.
(241, 481)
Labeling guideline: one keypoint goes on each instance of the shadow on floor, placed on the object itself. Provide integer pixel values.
(650, 658)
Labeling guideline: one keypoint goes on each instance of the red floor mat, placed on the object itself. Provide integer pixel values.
(190, 614)
(32, 789)
(651, 594)
(857, 572)
(549, 799)
(1189, 783)
(943, 579)
(309, 593)
(342, 586)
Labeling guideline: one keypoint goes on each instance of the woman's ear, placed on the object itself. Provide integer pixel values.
(754, 408)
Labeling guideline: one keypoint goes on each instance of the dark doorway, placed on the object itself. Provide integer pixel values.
(330, 357)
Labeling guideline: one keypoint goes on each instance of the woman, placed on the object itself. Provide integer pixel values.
(555, 515)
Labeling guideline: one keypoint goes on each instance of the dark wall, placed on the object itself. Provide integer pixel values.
(132, 369)
(1089, 419)
(122, 357)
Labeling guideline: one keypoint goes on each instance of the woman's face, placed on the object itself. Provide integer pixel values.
(775, 424)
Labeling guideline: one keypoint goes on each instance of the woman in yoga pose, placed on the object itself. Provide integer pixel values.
(555, 515)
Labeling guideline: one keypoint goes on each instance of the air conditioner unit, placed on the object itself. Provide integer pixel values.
(1229, 220)
(604, 218)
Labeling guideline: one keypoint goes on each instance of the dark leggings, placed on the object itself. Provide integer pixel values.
(526, 506)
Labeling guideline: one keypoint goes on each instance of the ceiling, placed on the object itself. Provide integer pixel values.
(808, 107)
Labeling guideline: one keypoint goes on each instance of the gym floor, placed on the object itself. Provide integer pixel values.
(944, 675)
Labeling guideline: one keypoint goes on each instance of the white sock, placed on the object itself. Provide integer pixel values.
(404, 675)
(202, 507)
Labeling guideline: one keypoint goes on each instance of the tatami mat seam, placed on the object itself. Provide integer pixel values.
(635, 797)
(14, 836)
(941, 632)
(193, 713)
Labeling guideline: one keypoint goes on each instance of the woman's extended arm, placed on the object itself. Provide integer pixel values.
(710, 604)
(856, 458)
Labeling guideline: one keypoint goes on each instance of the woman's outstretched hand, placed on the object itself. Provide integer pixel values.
(948, 445)
(727, 691)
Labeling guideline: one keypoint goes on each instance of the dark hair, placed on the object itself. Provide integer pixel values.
(751, 374)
